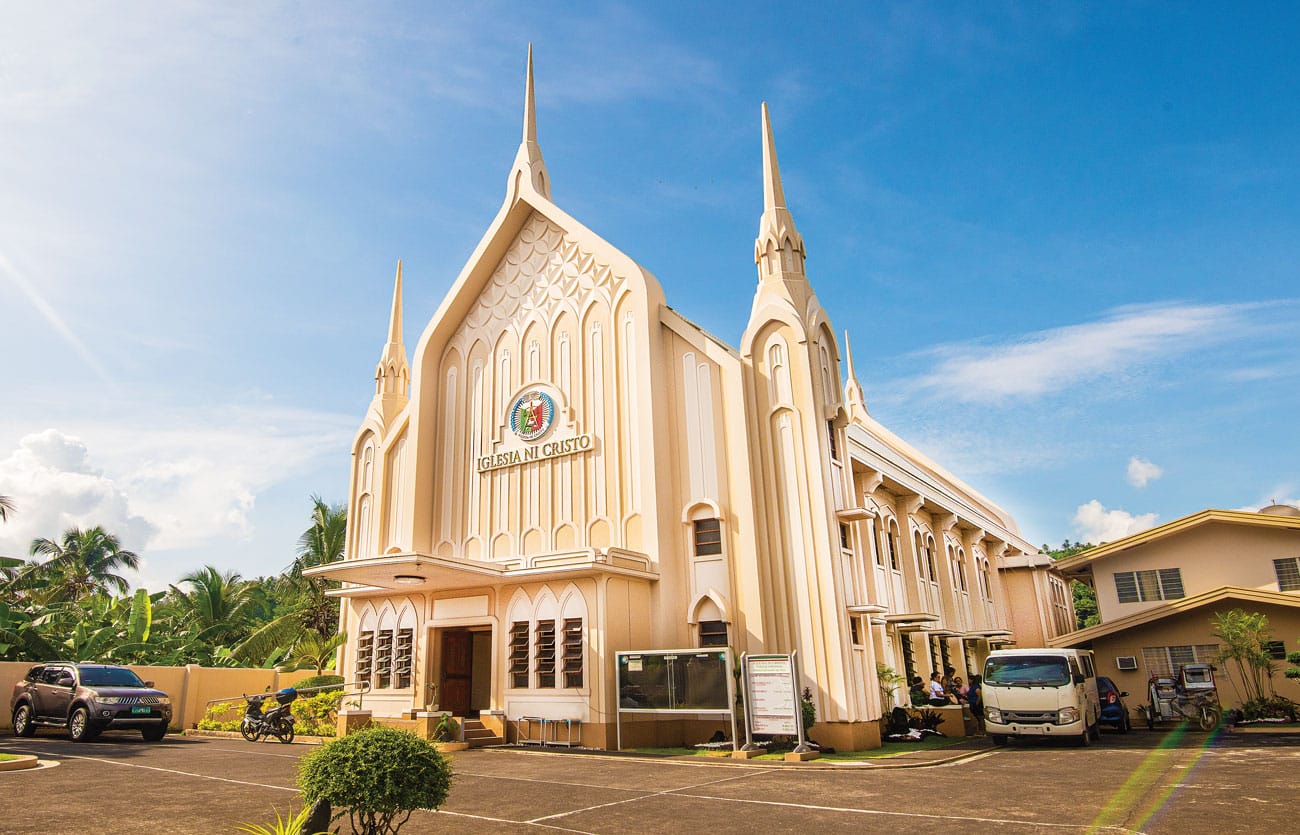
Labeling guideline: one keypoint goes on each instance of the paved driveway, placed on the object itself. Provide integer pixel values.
(1149, 782)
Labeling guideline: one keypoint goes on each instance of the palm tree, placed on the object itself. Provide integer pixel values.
(322, 543)
(6, 507)
(312, 650)
(217, 605)
(83, 563)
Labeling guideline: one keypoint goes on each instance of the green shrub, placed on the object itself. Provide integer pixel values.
(223, 716)
(318, 715)
(319, 681)
(1275, 708)
(807, 710)
(379, 774)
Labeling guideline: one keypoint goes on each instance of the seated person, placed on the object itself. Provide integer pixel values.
(938, 698)
(916, 691)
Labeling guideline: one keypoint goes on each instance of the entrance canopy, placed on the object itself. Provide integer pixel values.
(423, 572)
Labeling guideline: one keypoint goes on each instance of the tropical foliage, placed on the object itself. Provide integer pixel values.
(72, 600)
(1085, 596)
(1245, 636)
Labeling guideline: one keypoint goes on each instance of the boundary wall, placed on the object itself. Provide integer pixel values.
(190, 687)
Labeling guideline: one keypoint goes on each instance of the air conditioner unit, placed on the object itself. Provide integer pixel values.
(1126, 662)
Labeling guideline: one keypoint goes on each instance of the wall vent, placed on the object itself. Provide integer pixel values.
(1126, 662)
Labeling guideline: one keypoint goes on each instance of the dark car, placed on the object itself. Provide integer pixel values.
(1113, 710)
(88, 699)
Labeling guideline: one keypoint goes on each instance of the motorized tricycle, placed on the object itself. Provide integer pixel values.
(1191, 695)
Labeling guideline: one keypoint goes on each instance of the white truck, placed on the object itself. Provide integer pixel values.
(1041, 693)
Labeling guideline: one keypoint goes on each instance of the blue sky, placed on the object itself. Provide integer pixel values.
(1064, 238)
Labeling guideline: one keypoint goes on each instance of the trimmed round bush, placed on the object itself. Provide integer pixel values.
(319, 681)
(379, 774)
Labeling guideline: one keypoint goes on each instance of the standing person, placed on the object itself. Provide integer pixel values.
(975, 699)
(938, 698)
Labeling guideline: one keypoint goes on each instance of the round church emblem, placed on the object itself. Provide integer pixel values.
(531, 415)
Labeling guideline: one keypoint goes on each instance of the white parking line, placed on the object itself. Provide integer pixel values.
(173, 771)
(953, 818)
(645, 795)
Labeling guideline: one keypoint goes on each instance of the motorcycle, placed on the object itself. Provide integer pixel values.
(276, 722)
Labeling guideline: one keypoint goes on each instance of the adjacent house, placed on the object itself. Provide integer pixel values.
(1158, 590)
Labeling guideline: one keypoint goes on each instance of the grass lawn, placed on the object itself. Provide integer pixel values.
(889, 749)
(4, 757)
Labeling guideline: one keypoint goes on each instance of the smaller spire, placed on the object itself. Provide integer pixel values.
(773, 193)
(852, 388)
(393, 374)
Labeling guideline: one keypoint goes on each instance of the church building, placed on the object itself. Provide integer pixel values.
(567, 468)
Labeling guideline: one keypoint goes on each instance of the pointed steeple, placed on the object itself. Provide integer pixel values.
(393, 375)
(778, 251)
(853, 395)
(529, 166)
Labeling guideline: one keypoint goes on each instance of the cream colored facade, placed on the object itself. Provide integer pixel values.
(580, 470)
(1158, 590)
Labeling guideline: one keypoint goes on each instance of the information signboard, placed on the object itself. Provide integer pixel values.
(773, 708)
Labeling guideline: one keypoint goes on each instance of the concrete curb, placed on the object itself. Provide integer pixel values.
(300, 740)
(943, 757)
(23, 762)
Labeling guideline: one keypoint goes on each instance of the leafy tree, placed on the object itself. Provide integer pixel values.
(380, 774)
(83, 563)
(1245, 637)
(1085, 596)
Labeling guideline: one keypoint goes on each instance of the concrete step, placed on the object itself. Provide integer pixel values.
(478, 736)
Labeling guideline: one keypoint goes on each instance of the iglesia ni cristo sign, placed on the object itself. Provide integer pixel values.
(531, 417)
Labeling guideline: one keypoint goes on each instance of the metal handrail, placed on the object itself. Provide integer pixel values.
(362, 686)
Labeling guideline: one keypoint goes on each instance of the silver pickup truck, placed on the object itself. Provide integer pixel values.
(88, 699)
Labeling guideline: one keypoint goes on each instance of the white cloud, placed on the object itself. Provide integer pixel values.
(1140, 472)
(1053, 360)
(187, 482)
(1094, 523)
(54, 487)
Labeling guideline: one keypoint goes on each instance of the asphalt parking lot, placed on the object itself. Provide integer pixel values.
(1158, 782)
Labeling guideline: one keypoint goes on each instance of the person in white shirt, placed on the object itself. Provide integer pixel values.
(937, 696)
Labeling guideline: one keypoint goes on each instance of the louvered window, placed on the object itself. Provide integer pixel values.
(403, 653)
(1165, 661)
(519, 654)
(713, 633)
(833, 440)
(545, 647)
(384, 659)
(708, 537)
(1288, 573)
(573, 652)
(1142, 586)
(365, 656)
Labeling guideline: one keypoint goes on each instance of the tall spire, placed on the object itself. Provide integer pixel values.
(778, 251)
(529, 167)
(393, 374)
(852, 388)
(773, 193)
(395, 318)
(530, 105)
